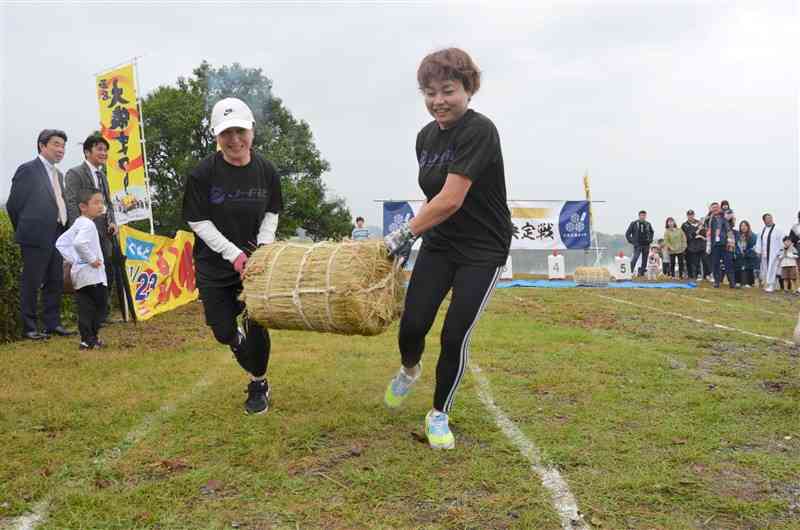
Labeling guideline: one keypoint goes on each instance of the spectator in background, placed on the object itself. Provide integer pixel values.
(794, 233)
(695, 246)
(90, 174)
(654, 262)
(746, 257)
(705, 257)
(709, 214)
(788, 259)
(731, 218)
(708, 270)
(664, 254)
(38, 215)
(80, 246)
(359, 232)
(640, 235)
(720, 245)
(769, 247)
(675, 243)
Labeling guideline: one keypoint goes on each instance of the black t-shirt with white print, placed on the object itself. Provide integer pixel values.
(235, 199)
(479, 233)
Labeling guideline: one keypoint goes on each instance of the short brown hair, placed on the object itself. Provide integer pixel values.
(449, 64)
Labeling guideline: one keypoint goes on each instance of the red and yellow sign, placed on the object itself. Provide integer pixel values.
(160, 270)
(119, 124)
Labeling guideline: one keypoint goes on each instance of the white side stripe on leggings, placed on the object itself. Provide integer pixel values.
(463, 358)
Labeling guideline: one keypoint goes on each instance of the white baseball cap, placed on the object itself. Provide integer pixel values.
(231, 112)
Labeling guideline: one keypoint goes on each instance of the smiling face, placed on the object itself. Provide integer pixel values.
(98, 155)
(235, 144)
(446, 101)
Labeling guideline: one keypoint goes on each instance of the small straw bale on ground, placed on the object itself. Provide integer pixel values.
(349, 288)
(592, 277)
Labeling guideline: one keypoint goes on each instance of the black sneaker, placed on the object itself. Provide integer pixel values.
(85, 346)
(257, 397)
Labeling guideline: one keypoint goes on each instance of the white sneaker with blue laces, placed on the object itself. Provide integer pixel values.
(437, 430)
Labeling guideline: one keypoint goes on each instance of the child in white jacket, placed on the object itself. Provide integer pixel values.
(80, 246)
(654, 263)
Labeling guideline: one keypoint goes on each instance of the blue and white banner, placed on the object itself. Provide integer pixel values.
(537, 225)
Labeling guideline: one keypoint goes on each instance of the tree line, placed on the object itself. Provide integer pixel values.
(178, 135)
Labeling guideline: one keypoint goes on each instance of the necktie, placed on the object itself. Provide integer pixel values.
(102, 187)
(62, 209)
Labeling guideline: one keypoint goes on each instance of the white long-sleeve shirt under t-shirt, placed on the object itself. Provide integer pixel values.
(216, 241)
(80, 245)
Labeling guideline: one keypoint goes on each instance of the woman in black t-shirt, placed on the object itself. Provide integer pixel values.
(232, 201)
(465, 225)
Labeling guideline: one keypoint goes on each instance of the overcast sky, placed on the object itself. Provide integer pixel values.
(668, 104)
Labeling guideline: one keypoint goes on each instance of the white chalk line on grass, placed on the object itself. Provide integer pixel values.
(31, 520)
(697, 320)
(562, 498)
(40, 511)
(715, 302)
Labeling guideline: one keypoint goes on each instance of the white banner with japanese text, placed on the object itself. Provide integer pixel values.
(536, 225)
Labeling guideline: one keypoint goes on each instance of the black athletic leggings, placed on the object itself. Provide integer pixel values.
(222, 306)
(434, 275)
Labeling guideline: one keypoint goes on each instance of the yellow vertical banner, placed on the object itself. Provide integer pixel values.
(160, 270)
(120, 125)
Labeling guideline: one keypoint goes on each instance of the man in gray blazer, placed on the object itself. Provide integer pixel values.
(90, 174)
(38, 214)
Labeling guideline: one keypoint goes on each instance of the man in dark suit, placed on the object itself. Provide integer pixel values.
(90, 175)
(38, 214)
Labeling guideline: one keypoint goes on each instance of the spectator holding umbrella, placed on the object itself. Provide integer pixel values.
(675, 242)
(640, 235)
(746, 256)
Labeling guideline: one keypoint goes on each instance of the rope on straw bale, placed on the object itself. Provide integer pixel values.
(592, 277)
(349, 288)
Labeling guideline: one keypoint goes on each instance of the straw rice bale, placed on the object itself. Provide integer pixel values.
(349, 288)
(592, 277)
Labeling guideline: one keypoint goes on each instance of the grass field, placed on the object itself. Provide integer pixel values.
(653, 420)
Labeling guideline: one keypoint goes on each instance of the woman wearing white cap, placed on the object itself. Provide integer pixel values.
(232, 201)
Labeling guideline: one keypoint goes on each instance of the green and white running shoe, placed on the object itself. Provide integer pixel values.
(400, 386)
(437, 431)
